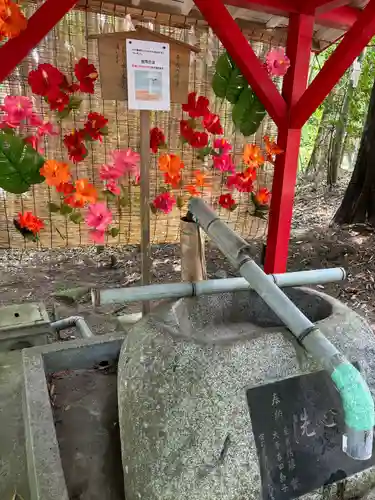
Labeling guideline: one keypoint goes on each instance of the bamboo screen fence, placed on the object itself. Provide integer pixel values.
(62, 47)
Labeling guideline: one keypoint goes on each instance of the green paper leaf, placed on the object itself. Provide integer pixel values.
(76, 217)
(114, 231)
(153, 208)
(109, 195)
(64, 113)
(242, 107)
(104, 130)
(53, 207)
(253, 119)
(65, 209)
(192, 123)
(219, 85)
(203, 152)
(237, 83)
(180, 202)
(224, 66)
(74, 102)
(19, 164)
(124, 200)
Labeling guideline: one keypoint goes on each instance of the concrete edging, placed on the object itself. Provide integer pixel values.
(45, 472)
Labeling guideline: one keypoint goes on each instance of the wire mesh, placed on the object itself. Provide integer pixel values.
(69, 41)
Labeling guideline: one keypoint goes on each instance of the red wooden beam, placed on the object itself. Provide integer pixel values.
(350, 47)
(321, 6)
(38, 26)
(230, 35)
(300, 35)
(342, 17)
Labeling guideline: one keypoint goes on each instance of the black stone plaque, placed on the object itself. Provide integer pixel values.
(298, 427)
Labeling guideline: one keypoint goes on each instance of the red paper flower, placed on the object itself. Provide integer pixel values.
(65, 188)
(70, 88)
(76, 148)
(199, 140)
(196, 107)
(95, 126)
(28, 223)
(164, 202)
(212, 124)
(71, 201)
(242, 181)
(157, 139)
(227, 201)
(57, 99)
(44, 79)
(186, 131)
(86, 74)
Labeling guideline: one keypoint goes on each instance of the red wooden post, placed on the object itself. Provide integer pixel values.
(38, 26)
(298, 49)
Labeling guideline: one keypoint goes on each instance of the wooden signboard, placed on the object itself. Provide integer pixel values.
(112, 61)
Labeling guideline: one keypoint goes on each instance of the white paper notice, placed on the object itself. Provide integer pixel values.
(148, 75)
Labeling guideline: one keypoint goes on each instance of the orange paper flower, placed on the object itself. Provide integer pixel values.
(272, 149)
(85, 192)
(173, 180)
(55, 172)
(30, 222)
(200, 179)
(170, 164)
(192, 189)
(253, 156)
(262, 197)
(12, 20)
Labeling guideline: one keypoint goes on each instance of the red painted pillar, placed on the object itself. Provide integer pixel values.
(298, 49)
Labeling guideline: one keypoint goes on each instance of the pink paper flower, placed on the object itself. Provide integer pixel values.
(35, 120)
(17, 109)
(112, 186)
(277, 62)
(99, 216)
(224, 163)
(97, 236)
(110, 172)
(223, 146)
(127, 161)
(47, 128)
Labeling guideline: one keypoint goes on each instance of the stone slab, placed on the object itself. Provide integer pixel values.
(45, 470)
(13, 470)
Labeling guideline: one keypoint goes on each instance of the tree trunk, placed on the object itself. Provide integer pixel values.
(334, 162)
(319, 154)
(358, 204)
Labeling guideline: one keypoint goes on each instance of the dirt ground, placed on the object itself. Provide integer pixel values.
(38, 275)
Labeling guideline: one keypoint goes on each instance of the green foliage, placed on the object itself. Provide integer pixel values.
(333, 105)
(19, 164)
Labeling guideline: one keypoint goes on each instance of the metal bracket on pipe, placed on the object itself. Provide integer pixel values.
(73, 322)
